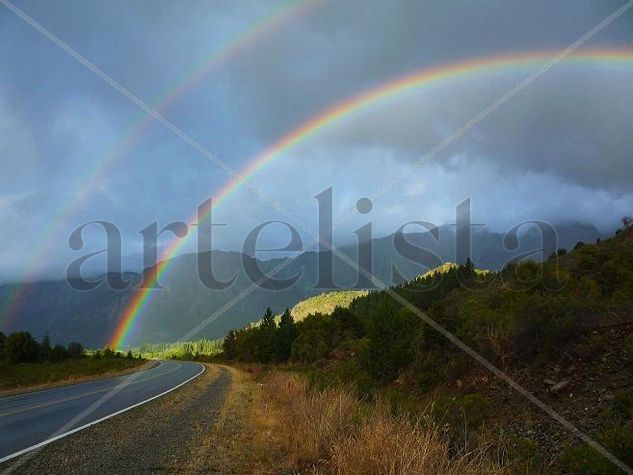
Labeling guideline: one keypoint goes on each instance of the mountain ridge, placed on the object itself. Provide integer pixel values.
(54, 307)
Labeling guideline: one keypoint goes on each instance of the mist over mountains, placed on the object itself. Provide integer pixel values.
(54, 307)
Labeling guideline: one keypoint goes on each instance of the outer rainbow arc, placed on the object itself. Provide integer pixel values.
(287, 10)
(142, 298)
(346, 108)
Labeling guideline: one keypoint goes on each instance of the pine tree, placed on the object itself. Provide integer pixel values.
(286, 319)
(229, 345)
(45, 348)
(470, 266)
(266, 338)
(286, 335)
(466, 273)
(268, 320)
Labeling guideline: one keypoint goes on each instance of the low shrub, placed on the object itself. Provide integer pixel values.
(584, 459)
(461, 416)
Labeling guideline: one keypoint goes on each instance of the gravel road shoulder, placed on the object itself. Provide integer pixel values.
(172, 434)
(228, 447)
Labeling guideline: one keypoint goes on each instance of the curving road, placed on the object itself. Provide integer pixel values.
(34, 419)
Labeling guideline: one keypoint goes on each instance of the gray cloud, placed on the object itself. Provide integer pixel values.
(574, 123)
(345, 47)
(560, 150)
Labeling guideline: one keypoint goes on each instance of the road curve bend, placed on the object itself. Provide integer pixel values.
(34, 419)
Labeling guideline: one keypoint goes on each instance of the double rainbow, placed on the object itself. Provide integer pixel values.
(425, 78)
(281, 14)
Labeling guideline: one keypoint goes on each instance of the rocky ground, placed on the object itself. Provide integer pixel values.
(579, 387)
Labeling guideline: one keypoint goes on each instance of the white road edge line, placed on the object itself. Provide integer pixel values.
(90, 424)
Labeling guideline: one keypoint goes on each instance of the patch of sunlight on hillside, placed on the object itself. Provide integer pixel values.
(325, 303)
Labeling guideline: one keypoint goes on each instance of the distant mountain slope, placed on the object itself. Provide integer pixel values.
(54, 307)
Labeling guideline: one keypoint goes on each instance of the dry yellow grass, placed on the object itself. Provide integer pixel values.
(311, 421)
(332, 432)
(384, 444)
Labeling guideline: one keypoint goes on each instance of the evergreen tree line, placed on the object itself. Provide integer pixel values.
(384, 340)
(22, 347)
(267, 342)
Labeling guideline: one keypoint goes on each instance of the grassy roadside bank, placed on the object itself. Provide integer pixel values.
(303, 429)
(24, 376)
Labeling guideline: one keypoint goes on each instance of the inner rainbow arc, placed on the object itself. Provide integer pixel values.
(344, 109)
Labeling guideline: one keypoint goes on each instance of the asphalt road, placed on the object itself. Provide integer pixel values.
(36, 418)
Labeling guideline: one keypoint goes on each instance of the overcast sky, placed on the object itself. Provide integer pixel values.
(560, 150)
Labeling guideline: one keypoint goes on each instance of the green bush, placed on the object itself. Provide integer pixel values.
(21, 347)
(617, 439)
(546, 323)
(468, 412)
(58, 353)
(391, 334)
(309, 346)
(462, 416)
(76, 350)
(525, 454)
(622, 407)
(427, 369)
(584, 459)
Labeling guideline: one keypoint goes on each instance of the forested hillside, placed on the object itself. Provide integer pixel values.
(511, 315)
(541, 322)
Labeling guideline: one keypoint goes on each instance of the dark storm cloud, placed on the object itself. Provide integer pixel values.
(569, 131)
(574, 123)
(345, 47)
